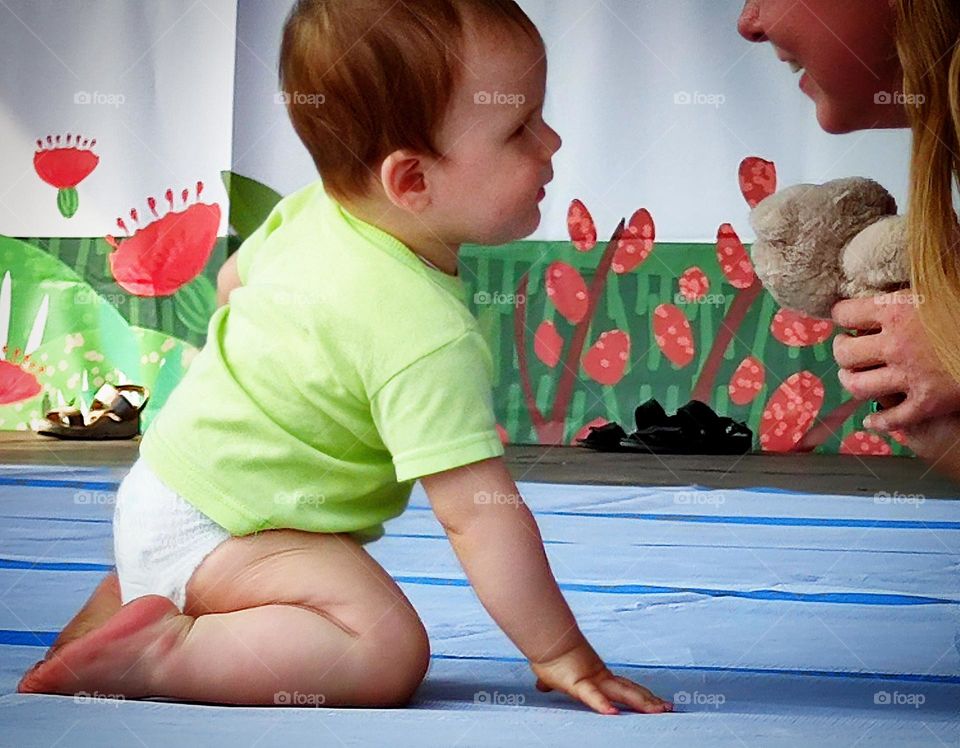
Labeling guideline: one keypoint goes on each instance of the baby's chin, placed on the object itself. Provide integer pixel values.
(516, 231)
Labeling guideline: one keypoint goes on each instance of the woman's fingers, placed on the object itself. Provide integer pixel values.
(860, 352)
(859, 314)
(899, 418)
(869, 385)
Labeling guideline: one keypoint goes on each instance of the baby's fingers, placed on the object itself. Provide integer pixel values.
(638, 698)
(587, 692)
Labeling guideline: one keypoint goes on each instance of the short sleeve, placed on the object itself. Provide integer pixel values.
(437, 413)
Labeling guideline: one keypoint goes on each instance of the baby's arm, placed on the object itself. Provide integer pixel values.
(227, 279)
(499, 545)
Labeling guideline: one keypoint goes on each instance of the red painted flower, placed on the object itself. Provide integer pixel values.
(169, 252)
(16, 384)
(547, 344)
(758, 180)
(863, 443)
(606, 361)
(791, 412)
(636, 244)
(747, 381)
(671, 330)
(694, 284)
(583, 231)
(64, 166)
(568, 291)
(733, 258)
(798, 330)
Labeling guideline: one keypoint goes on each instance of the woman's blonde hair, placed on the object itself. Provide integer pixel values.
(928, 32)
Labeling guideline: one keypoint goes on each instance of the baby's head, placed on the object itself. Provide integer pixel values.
(432, 107)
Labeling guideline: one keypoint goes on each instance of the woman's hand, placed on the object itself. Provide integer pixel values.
(892, 361)
(581, 674)
(938, 442)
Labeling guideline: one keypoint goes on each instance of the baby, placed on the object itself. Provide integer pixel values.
(345, 366)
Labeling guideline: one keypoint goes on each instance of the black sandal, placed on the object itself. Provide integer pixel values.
(114, 414)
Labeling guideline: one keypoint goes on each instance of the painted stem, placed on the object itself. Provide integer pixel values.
(728, 329)
(550, 430)
(828, 426)
(520, 333)
(571, 369)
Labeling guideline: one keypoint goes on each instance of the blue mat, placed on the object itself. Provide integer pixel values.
(771, 618)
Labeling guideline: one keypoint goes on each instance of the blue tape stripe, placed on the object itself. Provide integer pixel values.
(883, 524)
(11, 563)
(59, 483)
(711, 519)
(844, 598)
(28, 638)
(907, 677)
(58, 519)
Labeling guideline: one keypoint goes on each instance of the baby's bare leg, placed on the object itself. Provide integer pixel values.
(280, 617)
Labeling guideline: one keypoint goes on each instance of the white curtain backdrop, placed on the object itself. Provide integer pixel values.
(153, 82)
(182, 89)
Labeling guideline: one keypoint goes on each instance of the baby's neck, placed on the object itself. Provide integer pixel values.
(409, 230)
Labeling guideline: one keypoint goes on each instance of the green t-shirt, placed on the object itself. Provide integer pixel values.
(343, 369)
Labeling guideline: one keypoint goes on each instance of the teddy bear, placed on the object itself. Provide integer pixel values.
(819, 244)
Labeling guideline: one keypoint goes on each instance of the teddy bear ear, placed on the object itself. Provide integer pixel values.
(859, 196)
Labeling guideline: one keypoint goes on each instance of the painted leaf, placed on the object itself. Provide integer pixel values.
(865, 443)
(797, 330)
(636, 244)
(567, 290)
(585, 431)
(791, 412)
(606, 361)
(694, 284)
(747, 381)
(671, 330)
(547, 344)
(733, 258)
(583, 230)
(758, 180)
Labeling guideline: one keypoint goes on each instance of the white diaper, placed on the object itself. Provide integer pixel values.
(159, 539)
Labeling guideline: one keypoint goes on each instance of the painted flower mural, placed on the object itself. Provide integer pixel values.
(64, 164)
(675, 329)
(167, 255)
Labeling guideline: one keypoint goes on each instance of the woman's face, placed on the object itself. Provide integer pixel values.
(848, 54)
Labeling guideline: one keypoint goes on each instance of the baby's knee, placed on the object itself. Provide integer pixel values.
(399, 656)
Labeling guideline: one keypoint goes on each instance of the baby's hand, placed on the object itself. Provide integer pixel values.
(581, 674)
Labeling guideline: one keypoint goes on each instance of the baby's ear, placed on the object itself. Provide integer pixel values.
(857, 202)
(404, 180)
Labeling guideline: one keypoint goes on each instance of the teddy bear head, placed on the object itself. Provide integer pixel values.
(803, 233)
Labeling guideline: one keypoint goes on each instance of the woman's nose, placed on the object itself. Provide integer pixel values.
(749, 24)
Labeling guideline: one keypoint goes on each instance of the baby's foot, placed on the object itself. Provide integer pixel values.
(120, 657)
(102, 605)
